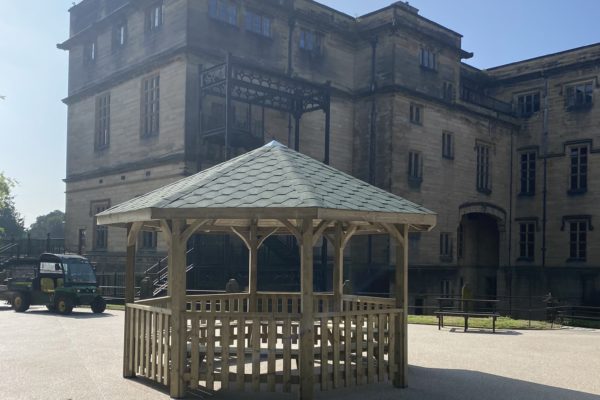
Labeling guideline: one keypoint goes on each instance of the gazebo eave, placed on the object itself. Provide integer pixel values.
(150, 216)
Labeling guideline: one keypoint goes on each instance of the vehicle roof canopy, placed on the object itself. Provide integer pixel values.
(49, 257)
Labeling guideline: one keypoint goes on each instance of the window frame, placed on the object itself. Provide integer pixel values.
(102, 126)
(527, 229)
(265, 29)
(578, 169)
(415, 167)
(416, 114)
(99, 232)
(460, 241)
(90, 52)
(428, 59)
(572, 99)
(446, 247)
(483, 178)
(534, 103)
(148, 240)
(527, 172)
(119, 36)
(154, 17)
(221, 11)
(448, 92)
(150, 98)
(578, 239)
(448, 145)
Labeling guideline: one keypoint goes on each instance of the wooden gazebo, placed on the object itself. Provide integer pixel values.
(265, 341)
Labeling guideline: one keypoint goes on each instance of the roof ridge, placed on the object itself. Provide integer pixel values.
(301, 175)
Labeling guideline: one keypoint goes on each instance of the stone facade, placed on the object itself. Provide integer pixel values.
(406, 115)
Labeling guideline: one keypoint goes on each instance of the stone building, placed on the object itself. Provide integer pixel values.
(161, 89)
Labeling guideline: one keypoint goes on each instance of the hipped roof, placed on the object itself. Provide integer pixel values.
(271, 182)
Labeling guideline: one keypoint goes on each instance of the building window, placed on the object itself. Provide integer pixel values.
(148, 240)
(445, 247)
(579, 96)
(154, 17)
(416, 114)
(89, 53)
(445, 288)
(223, 11)
(578, 169)
(415, 167)
(528, 104)
(526, 240)
(310, 41)
(448, 145)
(448, 91)
(460, 241)
(578, 240)
(119, 36)
(428, 59)
(527, 173)
(100, 231)
(484, 184)
(257, 23)
(102, 121)
(150, 106)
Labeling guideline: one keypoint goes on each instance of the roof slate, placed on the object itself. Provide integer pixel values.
(271, 176)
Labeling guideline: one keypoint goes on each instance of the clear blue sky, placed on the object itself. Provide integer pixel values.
(33, 73)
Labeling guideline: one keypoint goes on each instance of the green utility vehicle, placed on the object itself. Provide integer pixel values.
(58, 281)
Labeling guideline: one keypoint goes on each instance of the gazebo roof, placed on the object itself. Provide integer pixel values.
(271, 182)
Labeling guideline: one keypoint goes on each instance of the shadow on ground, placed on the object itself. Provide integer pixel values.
(434, 384)
(486, 331)
(76, 314)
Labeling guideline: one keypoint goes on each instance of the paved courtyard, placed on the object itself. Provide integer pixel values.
(46, 356)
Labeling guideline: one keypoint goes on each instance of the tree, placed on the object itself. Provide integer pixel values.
(11, 223)
(52, 223)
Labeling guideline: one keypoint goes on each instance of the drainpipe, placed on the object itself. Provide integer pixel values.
(372, 134)
(510, 211)
(545, 177)
(290, 67)
(372, 127)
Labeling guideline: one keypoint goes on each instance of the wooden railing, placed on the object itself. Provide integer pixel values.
(225, 349)
(355, 347)
(355, 303)
(149, 342)
(230, 347)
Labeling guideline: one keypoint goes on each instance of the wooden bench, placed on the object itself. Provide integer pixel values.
(465, 314)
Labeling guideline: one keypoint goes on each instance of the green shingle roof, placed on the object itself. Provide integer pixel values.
(272, 176)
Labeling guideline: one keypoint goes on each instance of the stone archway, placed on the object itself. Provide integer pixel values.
(482, 227)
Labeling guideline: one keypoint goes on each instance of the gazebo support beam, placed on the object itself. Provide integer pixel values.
(132, 232)
(177, 292)
(400, 235)
(338, 268)
(253, 264)
(307, 312)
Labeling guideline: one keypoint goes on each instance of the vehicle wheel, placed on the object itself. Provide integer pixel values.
(64, 305)
(20, 302)
(98, 305)
(51, 307)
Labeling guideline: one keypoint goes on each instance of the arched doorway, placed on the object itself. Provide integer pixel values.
(479, 258)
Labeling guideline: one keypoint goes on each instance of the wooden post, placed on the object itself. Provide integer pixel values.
(307, 309)
(338, 268)
(177, 264)
(128, 372)
(401, 289)
(253, 265)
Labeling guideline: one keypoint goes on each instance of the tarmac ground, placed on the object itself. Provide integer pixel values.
(48, 356)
